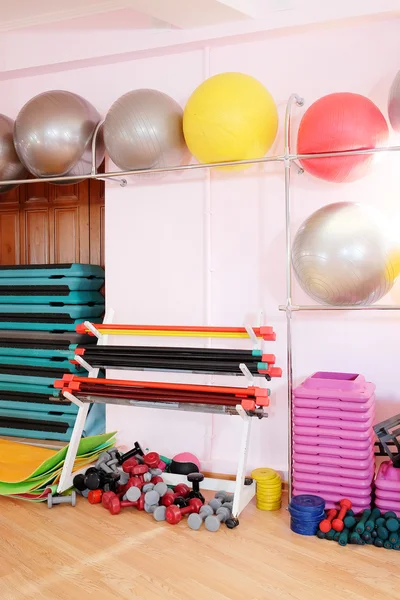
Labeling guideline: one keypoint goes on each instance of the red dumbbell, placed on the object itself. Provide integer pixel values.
(128, 465)
(115, 504)
(345, 505)
(157, 479)
(108, 496)
(139, 471)
(326, 524)
(95, 496)
(174, 514)
(151, 459)
(180, 490)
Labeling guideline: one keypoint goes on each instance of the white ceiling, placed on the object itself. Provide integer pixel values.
(17, 14)
(181, 14)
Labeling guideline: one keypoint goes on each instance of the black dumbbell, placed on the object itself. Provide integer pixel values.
(195, 479)
(136, 452)
(181, 501)
(79, 482)
(232, 522)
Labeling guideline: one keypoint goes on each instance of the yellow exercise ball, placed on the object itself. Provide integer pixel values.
(230, 116)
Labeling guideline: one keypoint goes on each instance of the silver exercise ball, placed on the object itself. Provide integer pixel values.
(394, 103)
(143, 130)
(344, 254)
(53, 134)
(10, 165)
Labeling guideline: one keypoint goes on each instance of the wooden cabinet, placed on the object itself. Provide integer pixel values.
(42, 223)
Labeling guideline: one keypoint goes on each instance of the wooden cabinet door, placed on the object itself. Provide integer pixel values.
(42, 224)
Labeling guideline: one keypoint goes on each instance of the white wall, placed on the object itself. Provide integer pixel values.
(194, 249)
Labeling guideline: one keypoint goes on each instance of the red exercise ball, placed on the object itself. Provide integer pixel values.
(337, 122)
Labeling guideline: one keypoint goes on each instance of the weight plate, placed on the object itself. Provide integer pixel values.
(269, 506)
(305, 516)
(303, 531)
(264, 474)
(269, 486)
(268, 499)
(305, 522)
(308, 502)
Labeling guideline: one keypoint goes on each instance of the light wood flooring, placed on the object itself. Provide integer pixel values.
(72, 553)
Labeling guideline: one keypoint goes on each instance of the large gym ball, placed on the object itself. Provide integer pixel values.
(394, 103)
(338, 122)
(344, 254)
(230, 117)
(53, 134)
(10, 165)
(143, 130)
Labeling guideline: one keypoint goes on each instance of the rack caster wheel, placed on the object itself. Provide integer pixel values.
(248, 481)
(232, 523)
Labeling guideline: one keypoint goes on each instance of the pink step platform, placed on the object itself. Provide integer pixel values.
(333, 442)
(387, 488)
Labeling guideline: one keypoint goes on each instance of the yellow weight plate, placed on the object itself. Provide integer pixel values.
(276, 506)
(264, 473)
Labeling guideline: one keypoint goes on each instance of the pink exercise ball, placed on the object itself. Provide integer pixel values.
(338, 122)
(185, 463)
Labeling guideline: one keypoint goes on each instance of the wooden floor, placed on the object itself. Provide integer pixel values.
(83, 552)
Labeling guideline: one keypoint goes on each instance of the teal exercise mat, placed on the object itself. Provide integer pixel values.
(10, 377)
(38, 352)
(49, 433)
(32, 415)
(61, 365)
(40, 311)
(22, 386)
(64, 298)
(24, 401)
(42, 284)
(44, 339)
(52, 271)
(42, 325)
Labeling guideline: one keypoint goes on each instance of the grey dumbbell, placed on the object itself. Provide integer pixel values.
(105, 468)
(213, 522)
(52, 500)
(224, 496)
(195, 520)
(155, 472)
(152, 498)
(147, 477)
(103, 459)
(113, 464)
(161, 488)
(215, 504)
(147, 487)
(123, 477)
(159, 513)
(132, 494)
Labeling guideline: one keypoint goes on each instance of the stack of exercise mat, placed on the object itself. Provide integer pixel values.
(40, 307)
(30, 472)
(333, 439)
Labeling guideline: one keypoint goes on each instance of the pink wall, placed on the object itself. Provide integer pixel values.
(192, 248)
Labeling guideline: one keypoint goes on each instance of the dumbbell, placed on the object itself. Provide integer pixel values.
(361, 523)
(151, 459)
(370, 524)
(195, 520)
(345, 505)
(224, 496)
(136, 451)
(213, 522)
(195, 479)
(79, 482)
(174, 514)
(52, 500)
(326, 524)
(114, 503)
(180, 490)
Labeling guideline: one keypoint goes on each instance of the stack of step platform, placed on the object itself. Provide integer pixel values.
(40, 306)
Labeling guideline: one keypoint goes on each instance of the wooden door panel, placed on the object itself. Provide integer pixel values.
(9, 237)
(36, 244)
(43, 223)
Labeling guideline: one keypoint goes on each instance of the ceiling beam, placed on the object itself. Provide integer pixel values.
(187, 14)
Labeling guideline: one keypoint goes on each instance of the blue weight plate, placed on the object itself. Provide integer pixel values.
(308, 513)
(308, 502)
(303, 530)
(306, 516)
(307, 525)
